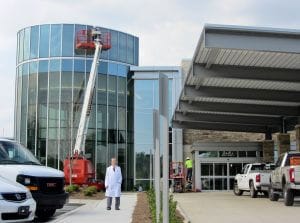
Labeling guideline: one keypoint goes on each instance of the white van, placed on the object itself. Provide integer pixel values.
(16, 202)
(45, 184)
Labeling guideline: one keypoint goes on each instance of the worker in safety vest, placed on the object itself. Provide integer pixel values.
(189, 167)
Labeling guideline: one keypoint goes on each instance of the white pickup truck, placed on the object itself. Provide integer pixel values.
(285, 179)
(254, 178)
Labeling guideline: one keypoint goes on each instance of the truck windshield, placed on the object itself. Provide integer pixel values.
(14, 153)
(257, 167)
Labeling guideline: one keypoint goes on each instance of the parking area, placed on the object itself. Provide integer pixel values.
(216, 207)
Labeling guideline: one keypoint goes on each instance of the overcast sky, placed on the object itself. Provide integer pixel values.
(168, 29)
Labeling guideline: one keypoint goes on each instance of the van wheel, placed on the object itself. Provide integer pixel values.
(288, 196)
(236, 190)
(253, 192)
(45, 213)
(272, 195)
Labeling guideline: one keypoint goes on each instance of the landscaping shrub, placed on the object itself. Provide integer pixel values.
(173, 218)
(72, 188)
(90, 191)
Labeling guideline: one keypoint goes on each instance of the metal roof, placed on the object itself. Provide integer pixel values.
(244, 79)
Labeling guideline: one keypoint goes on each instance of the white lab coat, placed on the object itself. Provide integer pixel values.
(113, 181)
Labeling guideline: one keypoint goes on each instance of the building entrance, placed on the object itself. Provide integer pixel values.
(216, 164)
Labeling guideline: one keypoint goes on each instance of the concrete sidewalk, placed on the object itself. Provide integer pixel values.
(95, 211)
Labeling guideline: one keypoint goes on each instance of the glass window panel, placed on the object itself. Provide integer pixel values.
(235, 168)
(27, 43)
(21, 45)
(251, 153)
(67, 65)
(79, 66)
(102, 68)
(68, 40)
(55, 41)
(104, 53)
(18, 47)
(142, 163)
(102, 94)
(112, 117)
(221, 184)
(32, 90)
(136, 51)
(34, 42)
(44, 41)
(143, 91)
(122, 47)
(113, 52)
(54, 81)
(112, 90)
(122, 70)
(220, 169)
(206, 169)
(79, 52)
(122, 118)
(130, 49)
(113, 68)
(122, 91)
(101, 117)
(242, 154)
(101, 134)
(43, 82)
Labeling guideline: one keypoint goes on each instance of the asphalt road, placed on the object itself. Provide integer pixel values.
(225, 207)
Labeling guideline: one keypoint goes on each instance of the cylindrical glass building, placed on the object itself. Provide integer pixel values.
(51, 75)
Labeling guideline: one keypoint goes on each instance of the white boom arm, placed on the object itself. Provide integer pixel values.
(88, 97)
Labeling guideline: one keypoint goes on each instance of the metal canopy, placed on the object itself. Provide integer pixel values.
(242, 79)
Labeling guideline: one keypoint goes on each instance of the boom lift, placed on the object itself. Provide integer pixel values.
(77, 168)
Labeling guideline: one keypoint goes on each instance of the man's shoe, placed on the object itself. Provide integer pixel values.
(108, 208)
(118, 209)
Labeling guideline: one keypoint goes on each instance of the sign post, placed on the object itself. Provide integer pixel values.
(156, 162)
(164, 113)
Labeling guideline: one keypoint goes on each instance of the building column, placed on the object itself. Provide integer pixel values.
(268, 151)
(297, 128)
(283, 143)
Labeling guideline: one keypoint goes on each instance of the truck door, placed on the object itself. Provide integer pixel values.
(244, 182)
(276, 175)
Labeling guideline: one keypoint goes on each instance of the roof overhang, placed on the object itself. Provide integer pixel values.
(242, 79)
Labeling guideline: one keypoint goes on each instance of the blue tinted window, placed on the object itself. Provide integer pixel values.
(113, 68)
(122, 47)
(79, 66)
(54, 66)
(104, 54)
(68, 40)
(25, 69)
(143, 91)
(130, 49)
(113, 52)
(88, 66)
(136, 51)
(33, 67)
(79, 52)
(122, 70)
(43, 66)
(55, 41)
(34, 42)
(44, 41)
(67, 65)
(102, 69)
(21, 41)
(27, 44)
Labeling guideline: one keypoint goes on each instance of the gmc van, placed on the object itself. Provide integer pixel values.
(45, 184)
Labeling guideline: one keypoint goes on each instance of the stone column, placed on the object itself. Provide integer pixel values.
(283, 143)
(268, 151)
(297, 128)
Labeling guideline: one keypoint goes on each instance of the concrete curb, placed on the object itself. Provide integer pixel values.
(184, 215)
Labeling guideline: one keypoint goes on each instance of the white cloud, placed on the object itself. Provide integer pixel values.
(168, 29)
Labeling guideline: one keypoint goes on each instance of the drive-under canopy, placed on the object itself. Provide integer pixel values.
(242, 79)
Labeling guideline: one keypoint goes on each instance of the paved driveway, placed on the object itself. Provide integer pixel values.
(224, 207)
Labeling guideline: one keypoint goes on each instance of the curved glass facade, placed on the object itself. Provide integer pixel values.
(51, 76)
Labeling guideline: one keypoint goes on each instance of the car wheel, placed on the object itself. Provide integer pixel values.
(288, 196)
(273, 196)
(236, 190)
(45, 213)
(266, 194)
(253, 192)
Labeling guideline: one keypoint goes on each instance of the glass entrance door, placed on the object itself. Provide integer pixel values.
(219, 176)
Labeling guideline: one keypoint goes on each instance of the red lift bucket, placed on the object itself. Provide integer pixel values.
(82, 170)
(84, 40)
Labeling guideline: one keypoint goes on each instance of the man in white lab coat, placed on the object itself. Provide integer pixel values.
(113, 181)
